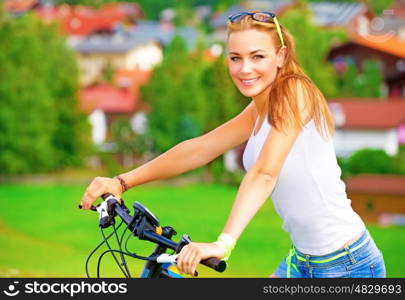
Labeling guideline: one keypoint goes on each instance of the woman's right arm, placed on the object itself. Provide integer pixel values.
(183, 157)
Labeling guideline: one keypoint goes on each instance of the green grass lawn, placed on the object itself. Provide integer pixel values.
(44, 234)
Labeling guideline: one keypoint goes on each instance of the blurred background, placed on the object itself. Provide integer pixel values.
(95, 88)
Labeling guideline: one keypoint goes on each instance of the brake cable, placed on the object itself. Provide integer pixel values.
(112, 253)
(96, 248)
(121, 252)
(123, 261)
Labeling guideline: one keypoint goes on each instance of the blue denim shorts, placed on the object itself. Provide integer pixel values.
(361, 259)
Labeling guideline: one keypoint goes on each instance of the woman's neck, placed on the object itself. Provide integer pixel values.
(261, 102)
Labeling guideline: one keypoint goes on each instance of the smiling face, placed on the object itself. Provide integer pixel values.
(252, 61)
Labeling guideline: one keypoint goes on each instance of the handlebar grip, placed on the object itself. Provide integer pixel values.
(215, 263)
(104, 196)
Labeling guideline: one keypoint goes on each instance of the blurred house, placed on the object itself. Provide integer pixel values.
(392, 21)
(387, 49)
(163, 32)
(352, 17)
(137, 46)
(378, 198)
(107, 102)
(97, 53)
(368, 124)
(219, 20)
(18, 7)
(79, 20)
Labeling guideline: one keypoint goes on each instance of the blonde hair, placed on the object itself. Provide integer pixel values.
(282, 105)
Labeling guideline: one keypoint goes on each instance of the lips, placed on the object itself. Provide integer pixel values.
(249, 81)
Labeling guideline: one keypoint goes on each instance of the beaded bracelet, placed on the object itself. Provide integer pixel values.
(124, 185)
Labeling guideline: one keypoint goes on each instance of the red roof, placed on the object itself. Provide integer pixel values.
(122, 98)
(371, 115)
(85, 25)
(108, 98)
(84, 20)
(54, 13)
(17, 6)
(135, 77)
(376, 184)
(385, 43)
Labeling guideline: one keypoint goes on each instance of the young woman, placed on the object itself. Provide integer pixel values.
(289, 156)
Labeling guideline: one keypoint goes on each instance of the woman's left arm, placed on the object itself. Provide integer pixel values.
(260, 180)
(254, 190)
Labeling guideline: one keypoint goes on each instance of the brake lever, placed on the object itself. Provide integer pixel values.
(105, 219)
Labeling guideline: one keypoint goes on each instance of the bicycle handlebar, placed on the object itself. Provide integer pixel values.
(144, 225)
(213, 262)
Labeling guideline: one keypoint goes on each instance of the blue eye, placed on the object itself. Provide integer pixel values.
(258, 56)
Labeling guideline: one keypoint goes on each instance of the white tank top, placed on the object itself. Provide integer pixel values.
(309, 195)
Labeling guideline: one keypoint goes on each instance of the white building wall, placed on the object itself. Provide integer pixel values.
(144, 57)
(231, 160)
(98, 122)
(348, 141)
(90, 67)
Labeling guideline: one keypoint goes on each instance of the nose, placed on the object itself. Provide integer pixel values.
(246, 67)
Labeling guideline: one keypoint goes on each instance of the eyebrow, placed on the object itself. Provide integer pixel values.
(251, 52)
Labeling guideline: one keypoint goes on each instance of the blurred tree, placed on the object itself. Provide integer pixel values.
(2, 15)
(165, 92)
(312, 46)
(368, 83)
(185, 14)
(373, 161)
(125, 140)
(153, 8)
(348, 81)
(71, 136)
(40, 128)
(399, 160)
(27, 120)
(374, 80)
(223, 5)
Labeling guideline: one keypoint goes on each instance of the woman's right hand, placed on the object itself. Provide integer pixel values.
(98, 187)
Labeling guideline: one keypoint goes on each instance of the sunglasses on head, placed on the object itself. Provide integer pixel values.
(265, 17)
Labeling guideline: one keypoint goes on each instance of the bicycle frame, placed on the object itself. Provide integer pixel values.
(153, 269)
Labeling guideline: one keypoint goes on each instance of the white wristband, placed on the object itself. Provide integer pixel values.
(227, 242)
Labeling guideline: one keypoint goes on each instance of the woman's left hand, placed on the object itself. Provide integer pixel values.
(191, 255)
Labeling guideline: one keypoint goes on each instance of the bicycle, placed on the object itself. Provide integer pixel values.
(144, 225)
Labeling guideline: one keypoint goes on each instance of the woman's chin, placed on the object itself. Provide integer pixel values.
(249, 92)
